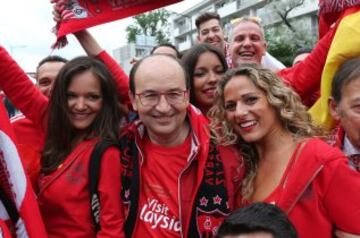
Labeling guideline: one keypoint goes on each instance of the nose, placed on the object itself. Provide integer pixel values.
(211, 34)
(163, 105)
(240, 111)
(80, 104)
(246, 42)
(214, 77)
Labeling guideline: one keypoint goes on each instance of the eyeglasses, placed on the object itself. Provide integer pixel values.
(150, 99)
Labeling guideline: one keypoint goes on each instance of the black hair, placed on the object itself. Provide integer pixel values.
(178, 55)
(347, 72)
(191, 58)
(204, 17)
(258, 217)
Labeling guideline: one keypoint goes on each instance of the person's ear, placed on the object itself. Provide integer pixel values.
(132, 100)
(333, 108)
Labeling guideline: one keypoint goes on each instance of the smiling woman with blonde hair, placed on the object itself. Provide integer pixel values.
(286, 163)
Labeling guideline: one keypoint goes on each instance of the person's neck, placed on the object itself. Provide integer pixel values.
(276, 141)
(173, 139)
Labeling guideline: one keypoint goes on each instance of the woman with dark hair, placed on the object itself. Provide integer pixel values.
(83, 109)
(205, 65)
(286, 164)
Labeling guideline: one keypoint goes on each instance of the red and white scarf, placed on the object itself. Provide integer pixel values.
(16, 186)
(81, 14)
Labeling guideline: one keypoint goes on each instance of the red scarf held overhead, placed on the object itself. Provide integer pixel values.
(81, 14)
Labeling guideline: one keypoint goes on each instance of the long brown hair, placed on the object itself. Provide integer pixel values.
(61, 133)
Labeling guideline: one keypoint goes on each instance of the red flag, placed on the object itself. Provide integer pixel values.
(81, 14)
(15, 187)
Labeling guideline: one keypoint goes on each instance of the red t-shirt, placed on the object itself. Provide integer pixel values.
(158, 214)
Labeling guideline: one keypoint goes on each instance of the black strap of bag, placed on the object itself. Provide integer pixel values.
(94, 171)
(9, 206)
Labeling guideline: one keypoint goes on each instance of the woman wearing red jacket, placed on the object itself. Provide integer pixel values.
(286, 165)
(82, 110)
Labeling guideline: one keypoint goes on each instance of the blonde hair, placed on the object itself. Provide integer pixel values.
(254, 19)
(291, 112)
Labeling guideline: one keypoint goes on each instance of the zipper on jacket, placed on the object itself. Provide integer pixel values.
(305, 187)
(194, 151)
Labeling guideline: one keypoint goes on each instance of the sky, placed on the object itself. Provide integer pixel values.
(25, 31)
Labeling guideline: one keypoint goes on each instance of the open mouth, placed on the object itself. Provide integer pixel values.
(248, 125)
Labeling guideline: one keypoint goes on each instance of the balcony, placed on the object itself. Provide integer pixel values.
(227, 9)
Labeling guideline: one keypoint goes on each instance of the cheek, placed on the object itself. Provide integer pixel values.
(198, 84)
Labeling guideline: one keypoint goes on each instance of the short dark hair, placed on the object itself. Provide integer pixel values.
(50, 58)
(258, 217)
(348, 71)
(204, 17)
(178, 55)
(191, 57)
(134, 69)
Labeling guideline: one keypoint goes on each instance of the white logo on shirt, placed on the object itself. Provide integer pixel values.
(157, 215)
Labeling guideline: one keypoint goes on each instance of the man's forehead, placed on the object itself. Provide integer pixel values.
(246, 28)
(159, 70)
(209, 24)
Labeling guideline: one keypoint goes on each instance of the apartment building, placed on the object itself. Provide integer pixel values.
(184, 30)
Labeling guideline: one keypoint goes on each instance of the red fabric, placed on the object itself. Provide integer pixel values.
(158, 214)
(81, 14)
(30, 142)
(194, 170)
(75, 203)
(64, 198)
(27, 133)
(330, 11)
(305, 76)
(15, 184)
(321, 192)
(4, 230)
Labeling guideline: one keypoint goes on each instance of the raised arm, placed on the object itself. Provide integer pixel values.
(92, 48)
(21, 91)
(305, 77)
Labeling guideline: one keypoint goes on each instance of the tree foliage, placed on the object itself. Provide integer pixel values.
(283, 43)
(154, 23)
(288, 36)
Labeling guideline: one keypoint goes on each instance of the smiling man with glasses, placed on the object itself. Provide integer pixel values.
(180, 186)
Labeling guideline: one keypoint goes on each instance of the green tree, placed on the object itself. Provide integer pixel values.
(283, 8)
(286, 38)
(154, 23)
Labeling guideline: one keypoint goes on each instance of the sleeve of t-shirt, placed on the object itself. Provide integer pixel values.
(305, 77)
(122, 80)
(21, 91)
(111, 209)
(342, 197)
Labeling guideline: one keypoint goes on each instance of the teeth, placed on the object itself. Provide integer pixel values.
(247, 124)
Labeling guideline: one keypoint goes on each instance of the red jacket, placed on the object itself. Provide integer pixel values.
(321, 192)
(194, 172)
(64, 201)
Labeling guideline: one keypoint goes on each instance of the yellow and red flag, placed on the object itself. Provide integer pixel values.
(345, 45)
